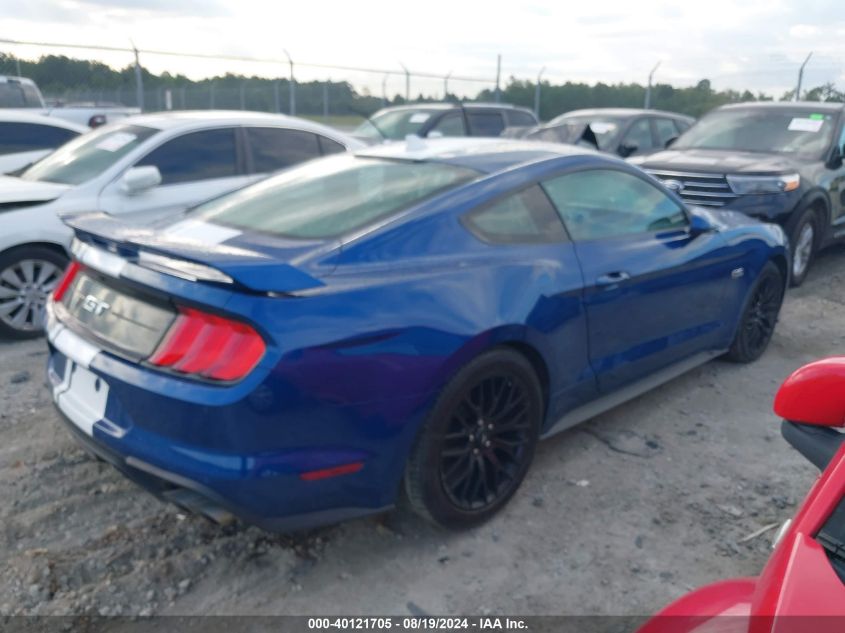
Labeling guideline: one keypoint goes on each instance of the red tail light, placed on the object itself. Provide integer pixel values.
(209, 346)
(64, 283)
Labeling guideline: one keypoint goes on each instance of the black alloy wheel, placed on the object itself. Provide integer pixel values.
(478, 442)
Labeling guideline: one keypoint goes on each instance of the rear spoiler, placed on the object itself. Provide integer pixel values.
(109, 245)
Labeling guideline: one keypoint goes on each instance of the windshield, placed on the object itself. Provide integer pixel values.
(394, 124)
(797, 131)
(569, 129)
(89, 155)
(332, 196)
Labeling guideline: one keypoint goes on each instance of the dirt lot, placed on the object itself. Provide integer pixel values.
(618, 516)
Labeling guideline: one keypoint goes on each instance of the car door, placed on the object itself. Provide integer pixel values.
(652, 288)
(194, 167)
(524, 226)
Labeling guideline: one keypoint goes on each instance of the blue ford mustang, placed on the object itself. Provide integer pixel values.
(410, 318)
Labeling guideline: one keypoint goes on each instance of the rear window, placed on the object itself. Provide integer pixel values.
(333, 196)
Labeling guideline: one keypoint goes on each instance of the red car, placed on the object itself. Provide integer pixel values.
(802, 587)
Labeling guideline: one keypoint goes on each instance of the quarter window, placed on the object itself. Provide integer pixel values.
(328, 146)
(601, 203)
(26, 137)
(485, 123)
(276, 148)
(521, 119)
(527, 216)
(195, 156)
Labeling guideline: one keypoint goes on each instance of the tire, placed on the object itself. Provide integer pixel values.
(28, 275)
(803, 244)
(477, 443)
(759, 316)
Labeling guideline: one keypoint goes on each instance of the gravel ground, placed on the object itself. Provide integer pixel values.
(617, 516)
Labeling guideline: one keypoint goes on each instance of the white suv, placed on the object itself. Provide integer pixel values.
(140, 168)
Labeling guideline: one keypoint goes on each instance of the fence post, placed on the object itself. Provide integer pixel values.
(211, 95)
(243, 95)
(276, 99)
(325, 99)
(292, 93)
(537, 93)
(139, 80)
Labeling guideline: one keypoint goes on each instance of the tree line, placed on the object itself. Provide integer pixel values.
(60, 76)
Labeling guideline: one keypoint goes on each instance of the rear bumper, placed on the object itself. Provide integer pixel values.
(221, 459)
(201, 499)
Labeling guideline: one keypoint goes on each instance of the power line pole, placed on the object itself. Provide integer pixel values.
(446, 85)
(537, 93)
(292, 85)
(801, 77)
(384, 90)
(498, 76)
(139, 79)
(648, 90)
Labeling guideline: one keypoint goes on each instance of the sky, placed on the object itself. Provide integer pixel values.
(742, 44)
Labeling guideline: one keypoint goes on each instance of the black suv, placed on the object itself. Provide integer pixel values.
(444, 119)
(779, 162)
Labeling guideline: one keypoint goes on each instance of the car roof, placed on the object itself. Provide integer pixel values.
(199, 119)
(12, 115)
(621, 112)
(486, 155)
(814, 106)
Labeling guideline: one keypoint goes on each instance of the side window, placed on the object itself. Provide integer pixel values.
(11, 95)
(328, 146)
(600, 203)
(195, 156)
(682, 125)
(451, 124)
(485, 123)
(639, 136)
(27, 137)
(666, 131)
(527, 216)
(277, 148)
(519, 118)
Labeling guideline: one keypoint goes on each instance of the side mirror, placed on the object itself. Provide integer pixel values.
(811, 401)
(700, 224)
(670, 142)
(814, 394)
(626, 149)
(138, 179)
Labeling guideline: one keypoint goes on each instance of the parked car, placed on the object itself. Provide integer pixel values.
(780, 162)
(801, 587)
(443, 119)
(20, 92)
(621, 131)
(140, 169)
(25, 137)
(413, 314)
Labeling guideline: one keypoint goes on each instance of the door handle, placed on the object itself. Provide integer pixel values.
(611, 279)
